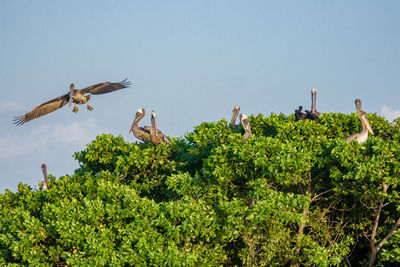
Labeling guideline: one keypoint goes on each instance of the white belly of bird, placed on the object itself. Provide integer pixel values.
(362, 137)
(79, 98)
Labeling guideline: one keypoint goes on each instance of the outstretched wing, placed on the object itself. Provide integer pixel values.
(106, 87)
(43, 109)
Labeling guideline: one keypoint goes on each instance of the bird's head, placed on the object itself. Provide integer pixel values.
(236, 108)
(358, 104)
(140, 111)
(72, 86)
(153, 114)
(44, 166)
(313, 90)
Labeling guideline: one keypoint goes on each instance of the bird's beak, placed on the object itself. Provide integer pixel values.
(367, 124)
(133, 123)
(71, 92)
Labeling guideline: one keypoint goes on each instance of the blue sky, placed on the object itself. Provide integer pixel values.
(190, 61)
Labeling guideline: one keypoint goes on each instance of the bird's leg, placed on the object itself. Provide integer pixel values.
(86, 100)
(75, 109)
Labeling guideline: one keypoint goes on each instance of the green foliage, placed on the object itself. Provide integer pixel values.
(295, 192)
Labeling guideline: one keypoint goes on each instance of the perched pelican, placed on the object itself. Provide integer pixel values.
(363, 135)
(75, 95)
(141, 133)
(235, 113)
(246, 126)
(45, 184)
(156, 136)
(312, 114)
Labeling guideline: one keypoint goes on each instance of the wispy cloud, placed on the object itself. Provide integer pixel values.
(73, 133)
(10, 106)
(389, 113)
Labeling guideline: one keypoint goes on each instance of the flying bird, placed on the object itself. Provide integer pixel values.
(76, 96)
(362, 136)
(156, 136)
(235, 114)
(244, 119)
(141, 133)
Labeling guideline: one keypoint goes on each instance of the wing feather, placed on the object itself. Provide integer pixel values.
(311, 115)
(159, 133)
(105, 87)
(43, 109)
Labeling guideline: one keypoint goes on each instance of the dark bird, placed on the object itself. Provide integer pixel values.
(312, 114)
(362, 136)
(235, 114)
(156, 136)
(299, 115)
(77, 96)
(246, 126)
(141, 133)
(45, 184)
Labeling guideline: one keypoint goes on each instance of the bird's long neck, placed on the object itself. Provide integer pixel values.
(135, 123)
(235, 114)
(153, 126)
(46, 179)
(313, 101)
(138, 118)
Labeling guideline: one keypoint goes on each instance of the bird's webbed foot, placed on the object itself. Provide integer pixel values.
(89, 107)
(75, 109)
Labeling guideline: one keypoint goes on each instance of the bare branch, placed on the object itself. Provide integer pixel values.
(320, 194)
(389, 235)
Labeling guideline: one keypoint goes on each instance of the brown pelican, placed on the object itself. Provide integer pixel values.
(235, 113)
(363, 135)
(75, 95)
(143, 134)
(156, 136)
(45, 184)
(312, 114)
(246, 126)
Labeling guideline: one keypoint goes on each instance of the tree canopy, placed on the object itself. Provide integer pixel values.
(295, 193)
